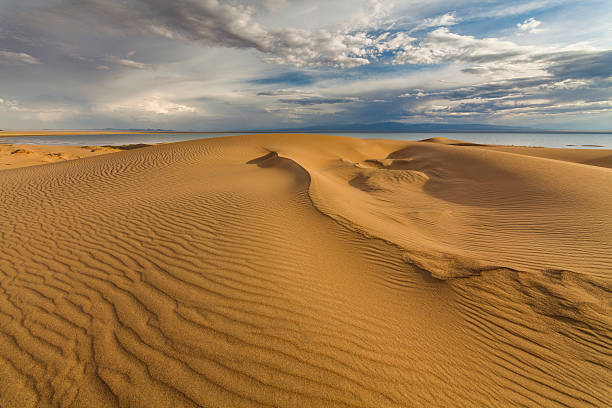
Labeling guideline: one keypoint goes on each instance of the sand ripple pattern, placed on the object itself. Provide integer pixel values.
(207, 274)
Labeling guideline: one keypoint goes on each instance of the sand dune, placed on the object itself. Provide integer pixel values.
(592, 157)
(293, 270)
(13, 156)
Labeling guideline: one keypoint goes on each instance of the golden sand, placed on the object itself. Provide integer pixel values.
(13, 156)
(308, 271)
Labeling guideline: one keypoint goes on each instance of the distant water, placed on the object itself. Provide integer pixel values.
(566, 140)
(109, 139)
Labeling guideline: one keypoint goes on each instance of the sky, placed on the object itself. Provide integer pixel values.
(264, 64)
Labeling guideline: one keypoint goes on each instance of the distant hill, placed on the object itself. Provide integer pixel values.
(138, 130)
(416, 127)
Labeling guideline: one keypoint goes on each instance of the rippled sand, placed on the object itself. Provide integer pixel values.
(313, 271)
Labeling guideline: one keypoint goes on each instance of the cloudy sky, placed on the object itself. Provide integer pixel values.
(223, 64)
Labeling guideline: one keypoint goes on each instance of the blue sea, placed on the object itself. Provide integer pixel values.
(562, 140)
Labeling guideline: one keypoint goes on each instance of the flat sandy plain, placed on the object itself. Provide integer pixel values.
(308, 271)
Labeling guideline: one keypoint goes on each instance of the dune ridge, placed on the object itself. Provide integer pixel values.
(293, 270)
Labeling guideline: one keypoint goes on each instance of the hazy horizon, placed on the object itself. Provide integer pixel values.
(322, 128)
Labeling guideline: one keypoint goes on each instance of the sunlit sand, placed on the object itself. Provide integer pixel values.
(302, 270)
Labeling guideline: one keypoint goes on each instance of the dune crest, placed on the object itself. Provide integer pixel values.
(304, 270)
(447, 141)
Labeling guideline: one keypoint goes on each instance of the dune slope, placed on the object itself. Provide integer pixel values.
(291, 270)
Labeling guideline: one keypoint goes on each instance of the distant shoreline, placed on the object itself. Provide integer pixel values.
(19, 133)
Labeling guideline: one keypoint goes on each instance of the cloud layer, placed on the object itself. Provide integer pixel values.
(204, 63)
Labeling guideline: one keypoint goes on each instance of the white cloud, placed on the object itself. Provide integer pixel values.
(287, 92)
(448, 19)
(566, 84)
(485, 56)
(512, 8)
(11, 105)
(155, 104)
(45, 114)
(321, 48)
(18, 57)
(530, 26)
(373, 15)
(126, 62)
(441, 45)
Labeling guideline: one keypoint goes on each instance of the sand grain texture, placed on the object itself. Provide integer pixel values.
(292, 270)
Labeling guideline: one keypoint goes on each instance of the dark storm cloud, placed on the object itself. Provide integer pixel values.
(582, 65)
(219, 23)
(216, 23)
(517, 97)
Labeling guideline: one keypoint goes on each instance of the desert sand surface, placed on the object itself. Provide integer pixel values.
(308, 271)
(593, 157)
(13, 156)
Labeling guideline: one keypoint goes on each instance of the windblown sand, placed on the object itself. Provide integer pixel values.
(308, 271)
